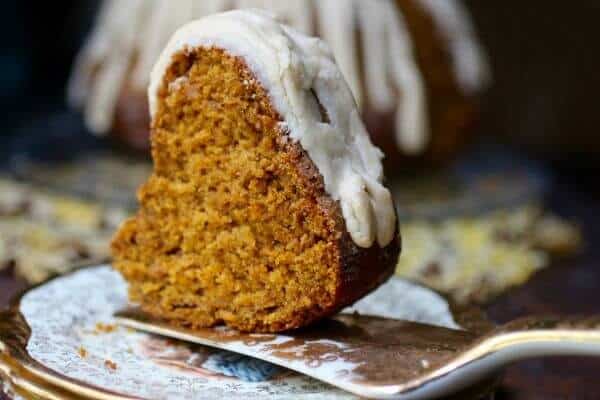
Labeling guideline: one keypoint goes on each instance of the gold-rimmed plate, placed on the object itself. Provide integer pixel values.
(61, 338)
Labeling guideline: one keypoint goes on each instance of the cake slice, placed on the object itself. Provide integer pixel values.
(265, 209)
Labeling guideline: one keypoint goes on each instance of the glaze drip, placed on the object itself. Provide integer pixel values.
(139, 29)
(293, 69)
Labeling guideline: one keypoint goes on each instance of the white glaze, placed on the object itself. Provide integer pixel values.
(128, 27)
(470, 64)
(291, 66)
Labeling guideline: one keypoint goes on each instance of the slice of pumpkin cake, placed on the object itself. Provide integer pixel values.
(265, 209)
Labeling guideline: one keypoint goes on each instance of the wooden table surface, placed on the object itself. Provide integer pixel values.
(568, 287)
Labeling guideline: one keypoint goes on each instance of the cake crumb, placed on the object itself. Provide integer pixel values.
(218, 168)
(82, 352)
(104, 328)
(110, 365)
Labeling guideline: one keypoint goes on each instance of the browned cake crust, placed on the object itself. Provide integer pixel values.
(149, 257)
(359, 270)
(131, 125)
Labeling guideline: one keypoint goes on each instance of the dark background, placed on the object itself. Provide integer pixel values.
(545, 56)
(38, 41)
(545, 59)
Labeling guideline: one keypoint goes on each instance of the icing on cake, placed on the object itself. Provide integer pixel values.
(139, 29)
(300, 75)
(470, 64)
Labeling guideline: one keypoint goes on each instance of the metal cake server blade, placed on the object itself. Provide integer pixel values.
(391, 359)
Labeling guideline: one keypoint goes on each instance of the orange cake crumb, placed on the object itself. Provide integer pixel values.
(82, 352)
(235, 226)
(104, 328)
(110, 365)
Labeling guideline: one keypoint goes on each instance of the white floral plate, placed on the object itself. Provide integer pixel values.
(61, 336)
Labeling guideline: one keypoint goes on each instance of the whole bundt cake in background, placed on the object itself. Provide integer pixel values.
(415, 66)
(265, 209)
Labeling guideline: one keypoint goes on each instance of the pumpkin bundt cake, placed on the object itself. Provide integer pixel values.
(416, 67)
(265, 209)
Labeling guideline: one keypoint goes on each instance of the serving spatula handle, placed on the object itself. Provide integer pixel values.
(535, 337)
(546, 336)
(521, 339)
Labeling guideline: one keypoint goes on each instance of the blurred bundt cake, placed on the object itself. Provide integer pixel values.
(265, 209)
(415, 66)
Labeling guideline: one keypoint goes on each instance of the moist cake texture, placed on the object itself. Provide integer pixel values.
(237, 224)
